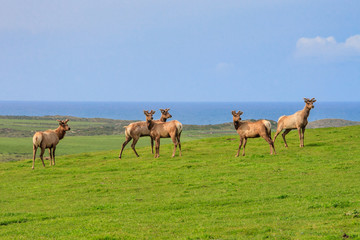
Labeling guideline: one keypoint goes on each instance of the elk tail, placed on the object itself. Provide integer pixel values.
(127, 131)
(37, 139)
(267, 126)
(179, 127)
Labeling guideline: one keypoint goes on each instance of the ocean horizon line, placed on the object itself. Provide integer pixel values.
(198, 113)
(244, 101)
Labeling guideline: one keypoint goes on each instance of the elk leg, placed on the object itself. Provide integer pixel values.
(157, 148)
(34, 155)
(50, 155)
(178, 139)
(271, 143)
(127, 140)
(244, 146)
(53, 154)
(133, 146)
(284, 134)
(241, 141)
(152, 145)
(173, 138)
(303, 135)
(276, 134)
(300, 137)
(42, 156)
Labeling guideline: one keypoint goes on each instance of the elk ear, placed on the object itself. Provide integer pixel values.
(167, 109)
(313, 100)
(240, 113)
(152, 112)
(233, 113)
(66, 120)
(146, 112)
(306, 100)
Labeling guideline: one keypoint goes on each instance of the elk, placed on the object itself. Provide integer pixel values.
(159, 130)
(139, 129)
(49, 139)
(260, 128)
(296, 121)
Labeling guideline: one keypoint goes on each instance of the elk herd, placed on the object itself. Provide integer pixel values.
(162, 128)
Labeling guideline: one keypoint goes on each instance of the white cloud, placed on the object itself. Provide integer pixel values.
(223, 66)
(328, 47)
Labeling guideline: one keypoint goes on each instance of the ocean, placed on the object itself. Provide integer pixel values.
(199, 113)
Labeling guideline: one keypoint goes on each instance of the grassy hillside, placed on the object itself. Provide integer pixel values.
(25, 126)
(15, 149)
(86, 135)
(309, 193)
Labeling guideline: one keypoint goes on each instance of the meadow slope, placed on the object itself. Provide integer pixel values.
(308, 193)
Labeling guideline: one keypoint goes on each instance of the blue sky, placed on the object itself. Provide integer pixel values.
(114, 50)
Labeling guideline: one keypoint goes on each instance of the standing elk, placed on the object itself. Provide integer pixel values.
(296, 121)
(261, 128)
(49, 139)
(139, 129)
(159, 130)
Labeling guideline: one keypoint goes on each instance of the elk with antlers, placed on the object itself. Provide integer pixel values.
(49, 139)
(261, 128)
(139, 129)
(296, 121)
(159, 130)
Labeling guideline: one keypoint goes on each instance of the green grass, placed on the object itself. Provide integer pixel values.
(24, 126)
(308, 193)
(15, 149)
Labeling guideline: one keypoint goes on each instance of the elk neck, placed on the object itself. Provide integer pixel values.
(237, 124)
(60, 132)
(306, 111)
(150, 124)
(162, 119)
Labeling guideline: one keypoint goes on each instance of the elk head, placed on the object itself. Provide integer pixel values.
(165, 113)
(309, 103)
(149, 115)
(236, 115)
(64, 125)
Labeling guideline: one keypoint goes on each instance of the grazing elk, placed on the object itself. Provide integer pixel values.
(139, 129)
(261, 128)
(49, 139)
(159, 130)
(296, 121)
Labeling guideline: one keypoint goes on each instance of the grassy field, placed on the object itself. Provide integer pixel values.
(309, 193)
(86, 135)
(15, 149)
